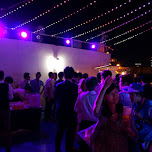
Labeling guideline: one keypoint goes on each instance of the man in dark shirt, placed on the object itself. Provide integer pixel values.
(60, 75)
(66, 95)
(6, 94)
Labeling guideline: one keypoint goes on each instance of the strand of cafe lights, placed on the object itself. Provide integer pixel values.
(95, 18)
(40, 15)
(129, 31)
(141, 15)
(68, 16)
(133, 36)
(16, 9)
(110, 22)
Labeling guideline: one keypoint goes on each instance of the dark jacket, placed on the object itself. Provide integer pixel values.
(66, 94)
(4, 100)
(147, 91)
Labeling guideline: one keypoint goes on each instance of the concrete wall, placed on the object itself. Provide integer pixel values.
(18, 56)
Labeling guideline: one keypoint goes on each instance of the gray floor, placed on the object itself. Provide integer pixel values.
(38, 141)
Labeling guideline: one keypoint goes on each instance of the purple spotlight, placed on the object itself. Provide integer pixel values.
(93, 46)
(68, 41)
(24, 35)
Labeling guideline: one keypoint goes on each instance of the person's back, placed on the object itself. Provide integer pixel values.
(124, 98)
(145, 80)
(85, 101)
(145, 129)
(6, 94)
(4, 100)
(66, 94)
(60, 75)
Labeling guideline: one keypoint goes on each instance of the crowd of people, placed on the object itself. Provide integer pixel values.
(91, 110)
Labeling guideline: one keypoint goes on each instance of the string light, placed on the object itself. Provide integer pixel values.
(60, 20)
(40, 15)
(90, 20)
(129, 38)
(129, 31)
(120, 25)
(110, 22)
(16, 9)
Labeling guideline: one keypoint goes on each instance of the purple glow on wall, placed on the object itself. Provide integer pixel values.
(68, 41)
(2, 30)
(93, 46)
(24, 35)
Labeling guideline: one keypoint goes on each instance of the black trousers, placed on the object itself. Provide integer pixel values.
(83, 145)
(49, 108)
(69, 126)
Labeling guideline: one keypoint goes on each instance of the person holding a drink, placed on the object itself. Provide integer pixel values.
(114, 128)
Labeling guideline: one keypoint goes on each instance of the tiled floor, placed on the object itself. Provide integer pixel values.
(39, 141)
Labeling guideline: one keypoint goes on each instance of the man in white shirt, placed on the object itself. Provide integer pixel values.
(84, 108)
(23, 83)
(84, 104)
(49, 95)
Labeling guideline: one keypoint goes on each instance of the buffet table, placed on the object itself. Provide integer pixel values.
(26, 118)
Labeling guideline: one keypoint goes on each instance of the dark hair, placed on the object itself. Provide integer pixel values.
(146, 78)
(75, 74)
(50, 74)
(79, 74)
(1, 75)
(140, 94)
(137, 79)
(112, 86)
(38, 73)
(55, 74)
(85, 75)
(60, 74)
(105, 108)
(91, 83)
(82, 85)
(116, 79)
(68, 72)
(105, 73)
(99, 76)
(8, 80)
(26, 75)
(28, 87)
(127, 78)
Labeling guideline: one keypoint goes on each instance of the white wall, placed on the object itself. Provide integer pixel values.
(18, 56)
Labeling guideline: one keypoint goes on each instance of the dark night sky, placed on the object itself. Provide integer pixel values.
(137, 49)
